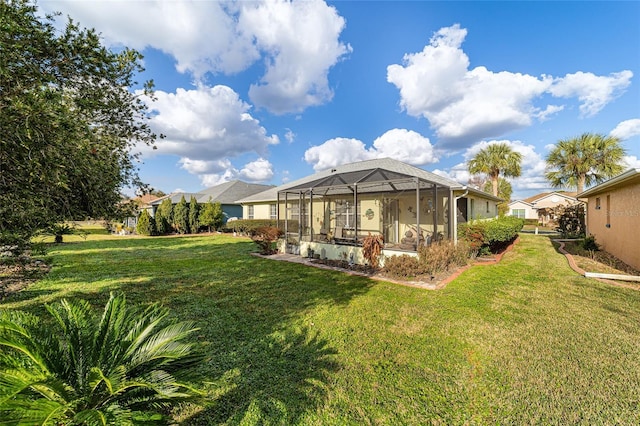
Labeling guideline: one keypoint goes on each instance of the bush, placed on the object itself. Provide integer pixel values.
(81, 368)
(164, 217)
(443, 255)
(181, 216)
(570, 220)
(589, 243)
(146, 224)
(249, 226)
(371, 249)
(265, 237)
(490, 235)
(403, 266)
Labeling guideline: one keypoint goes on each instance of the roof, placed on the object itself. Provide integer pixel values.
(358, 171)
(621, 179)
(225, 193)
(534, 198)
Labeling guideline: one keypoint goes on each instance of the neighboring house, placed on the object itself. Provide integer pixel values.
(142, 203)
(613, 216)
(340, 206)
(542, 206)
(227, 194)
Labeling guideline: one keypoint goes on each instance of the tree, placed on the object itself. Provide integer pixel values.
(164, 217)
(495, 160)
(194, 209)
(146, 224)
(181, 216)
(68, 122)
(80, 368)
(504, 191)
(211, 215)
(584, 160)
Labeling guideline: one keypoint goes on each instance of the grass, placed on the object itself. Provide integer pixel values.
(526, 341)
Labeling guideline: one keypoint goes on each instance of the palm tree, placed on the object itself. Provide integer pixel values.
(584, 160)
(495, 160)
(79, 369)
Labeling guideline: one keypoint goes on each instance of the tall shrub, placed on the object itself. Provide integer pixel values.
(211, 215)
(194, 211)
(181, 216)
(146, 224)
(164, 217)
(570, 220)
(265, 237)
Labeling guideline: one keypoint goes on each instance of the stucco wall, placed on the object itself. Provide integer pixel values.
(260, 211)
(529, 212)
(622, 213)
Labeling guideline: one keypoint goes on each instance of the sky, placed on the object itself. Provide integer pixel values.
(272, 91)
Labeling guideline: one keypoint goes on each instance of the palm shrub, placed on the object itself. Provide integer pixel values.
(81, 369)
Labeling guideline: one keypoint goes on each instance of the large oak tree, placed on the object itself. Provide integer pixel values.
(69, 121)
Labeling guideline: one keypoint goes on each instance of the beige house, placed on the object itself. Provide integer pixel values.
(541, 206)
(613, 216)
(332, 211)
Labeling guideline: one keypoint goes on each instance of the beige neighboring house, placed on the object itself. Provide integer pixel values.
(332, 211)
(541, 206)
(613, 216)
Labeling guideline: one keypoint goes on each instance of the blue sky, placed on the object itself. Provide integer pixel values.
(272, 91)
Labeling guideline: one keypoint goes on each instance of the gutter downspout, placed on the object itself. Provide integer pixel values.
(455, 214)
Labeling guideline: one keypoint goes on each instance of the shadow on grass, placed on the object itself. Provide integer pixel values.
(263, 363)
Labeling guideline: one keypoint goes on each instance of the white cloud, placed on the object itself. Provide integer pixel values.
(301, 41)
(464, 105)
(335, 152)
(592, 90)
(207, 124)
(627, 129)
(631, 162)
(400, 144)
(260, 170)
(207, 127)
(290, 136)
(202, 36)
(298, 41)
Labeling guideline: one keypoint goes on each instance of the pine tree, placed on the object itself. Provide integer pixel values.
(146, 224)
(211, 215)
(164, 217)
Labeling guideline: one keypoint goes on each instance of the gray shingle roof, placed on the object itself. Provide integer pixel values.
(225, 193)
(382, 163)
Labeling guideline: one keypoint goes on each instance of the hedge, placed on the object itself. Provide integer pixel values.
(247, 226)
(490, 235)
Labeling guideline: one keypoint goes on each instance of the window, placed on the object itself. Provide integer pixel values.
(273, 212)
(608, 225)
(250, 212)
(346, 215)
(598, 207)
(487, 207)
(519, 213)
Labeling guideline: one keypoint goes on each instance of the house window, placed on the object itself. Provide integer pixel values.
(598, 207)
(519, 213)
(346, 215)
(487, 207)
(273, 212)
(250, 212)
(608, 225)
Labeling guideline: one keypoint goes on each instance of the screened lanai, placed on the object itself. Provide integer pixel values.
(343, 207)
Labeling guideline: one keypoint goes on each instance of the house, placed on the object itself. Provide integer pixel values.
(541, 206)
(227, 194)
(613, 216)
(142, 202)
(333, 210)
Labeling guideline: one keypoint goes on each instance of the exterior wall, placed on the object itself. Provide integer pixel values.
(481, 208)
(616, 222)
(529, 212)
(260, 210)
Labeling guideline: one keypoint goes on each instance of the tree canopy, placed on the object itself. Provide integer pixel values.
(581, 161)
(68, 122)
(495, 160)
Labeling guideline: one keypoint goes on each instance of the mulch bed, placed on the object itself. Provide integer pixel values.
(16, 275)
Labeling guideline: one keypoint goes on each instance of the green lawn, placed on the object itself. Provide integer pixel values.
(526, 341)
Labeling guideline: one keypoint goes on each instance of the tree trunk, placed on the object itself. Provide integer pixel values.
(494, 185)
(581, 180)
